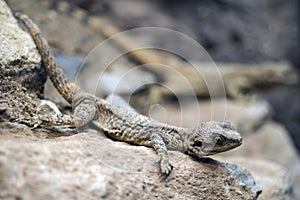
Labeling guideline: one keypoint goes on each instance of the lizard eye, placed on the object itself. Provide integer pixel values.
(220, 140)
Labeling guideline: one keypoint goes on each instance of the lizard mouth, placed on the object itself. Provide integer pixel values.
(218, 149)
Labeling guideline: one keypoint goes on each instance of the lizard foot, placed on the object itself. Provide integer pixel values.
(165, 167)
(166, 176)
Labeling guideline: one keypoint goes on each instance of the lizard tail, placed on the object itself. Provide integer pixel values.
(66, 88)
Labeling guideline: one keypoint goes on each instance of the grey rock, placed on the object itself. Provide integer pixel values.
(19, 57)
(243, 176)
(272, 142)
(21, 73)
(16, 44)
(274, 179)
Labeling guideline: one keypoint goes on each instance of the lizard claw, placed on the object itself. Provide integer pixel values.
(167, 176)
(165, 167)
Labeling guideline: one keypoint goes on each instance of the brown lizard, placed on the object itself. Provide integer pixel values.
(209, 138)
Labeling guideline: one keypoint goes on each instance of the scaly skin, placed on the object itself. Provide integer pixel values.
(119, 123)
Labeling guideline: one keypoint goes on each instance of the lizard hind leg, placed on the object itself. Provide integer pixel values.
(85, 109)
(84, 112)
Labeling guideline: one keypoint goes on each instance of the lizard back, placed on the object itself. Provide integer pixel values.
(126, 125)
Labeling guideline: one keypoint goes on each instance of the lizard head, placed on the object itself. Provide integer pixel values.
(211, 137)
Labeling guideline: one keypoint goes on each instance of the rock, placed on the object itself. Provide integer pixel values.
(272, 142)
(274, 179)
(18, 54)
(21, 74)
(243, 176)
(90, 166)
(16, 44)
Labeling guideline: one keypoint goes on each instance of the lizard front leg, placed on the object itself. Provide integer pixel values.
(161, 149)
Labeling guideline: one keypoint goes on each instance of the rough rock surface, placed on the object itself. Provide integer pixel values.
(272, 142)
(18, 54)
(38, 165)
(273, 178)
(21, 74)
(15, 43)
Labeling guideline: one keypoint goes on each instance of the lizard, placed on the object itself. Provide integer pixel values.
(210, 137)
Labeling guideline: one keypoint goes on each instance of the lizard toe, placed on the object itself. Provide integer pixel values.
(165, 167)
(166, 173)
